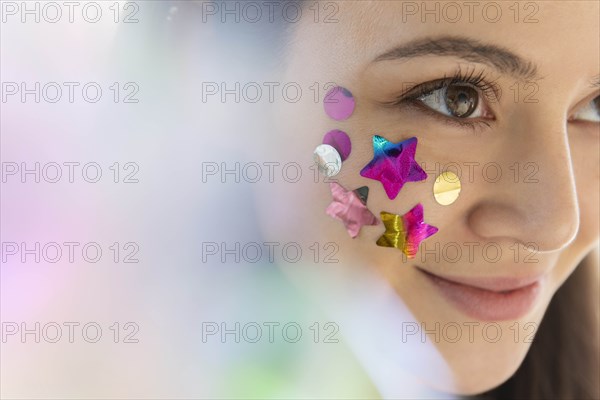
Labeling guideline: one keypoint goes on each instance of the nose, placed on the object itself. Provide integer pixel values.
(535, 201)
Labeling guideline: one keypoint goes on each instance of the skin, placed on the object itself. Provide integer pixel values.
(558, 215)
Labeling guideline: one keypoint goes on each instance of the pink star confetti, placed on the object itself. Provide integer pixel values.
(348, 206)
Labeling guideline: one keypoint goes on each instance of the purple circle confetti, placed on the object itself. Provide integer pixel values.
(339, 103)
(340, 141)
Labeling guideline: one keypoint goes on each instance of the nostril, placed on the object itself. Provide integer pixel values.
(493, 220)
(545, 230)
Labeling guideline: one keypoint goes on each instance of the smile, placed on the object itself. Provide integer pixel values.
(489, 299)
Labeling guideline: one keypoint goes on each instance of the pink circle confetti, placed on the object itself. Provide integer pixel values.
(339, 103)
(340, 141)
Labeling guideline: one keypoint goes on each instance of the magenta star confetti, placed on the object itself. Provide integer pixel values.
(348, 207)
(394, 164)
(405, 232)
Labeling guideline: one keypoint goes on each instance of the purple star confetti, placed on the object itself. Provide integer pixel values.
(393, 164)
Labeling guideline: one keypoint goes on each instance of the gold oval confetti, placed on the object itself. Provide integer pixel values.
(446, 188)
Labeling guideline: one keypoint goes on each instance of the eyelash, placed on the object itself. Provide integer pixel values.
(487, 88)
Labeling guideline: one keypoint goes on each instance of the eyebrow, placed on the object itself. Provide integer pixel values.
(471, 50)
(596, 82)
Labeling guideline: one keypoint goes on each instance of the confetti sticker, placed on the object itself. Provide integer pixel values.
(328, 160)
(362, 193)
(405, 232)
(339, 103)
(340, 141)
(394, 164)
(446, 188)
(350, 207)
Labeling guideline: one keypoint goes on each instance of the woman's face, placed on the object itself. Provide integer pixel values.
(524, 141)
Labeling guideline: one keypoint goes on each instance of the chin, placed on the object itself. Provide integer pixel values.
(470, 387)
(479, 371)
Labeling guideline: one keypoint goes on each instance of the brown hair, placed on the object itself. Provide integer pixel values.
(564, 359)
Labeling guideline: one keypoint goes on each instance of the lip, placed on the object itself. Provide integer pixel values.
(489, 298)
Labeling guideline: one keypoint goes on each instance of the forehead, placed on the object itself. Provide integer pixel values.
(564, 35)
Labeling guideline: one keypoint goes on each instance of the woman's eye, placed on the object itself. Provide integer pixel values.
(590, 112)
(460, 101)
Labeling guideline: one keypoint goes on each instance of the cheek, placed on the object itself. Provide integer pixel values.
(294, 211)
(586, 165)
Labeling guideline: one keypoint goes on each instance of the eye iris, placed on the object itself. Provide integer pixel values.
(597, 104)
(461, 100)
